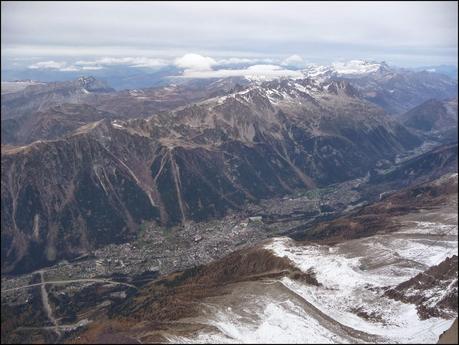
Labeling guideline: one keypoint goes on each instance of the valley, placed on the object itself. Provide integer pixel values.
(268, 291)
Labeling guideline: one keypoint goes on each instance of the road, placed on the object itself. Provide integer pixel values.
(70, 281)
(47, 306)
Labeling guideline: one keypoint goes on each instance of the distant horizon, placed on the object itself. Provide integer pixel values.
(85, 36)
(188, 66)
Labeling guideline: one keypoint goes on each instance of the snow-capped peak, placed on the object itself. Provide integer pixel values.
(314, 70)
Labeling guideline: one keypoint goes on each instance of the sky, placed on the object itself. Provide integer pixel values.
(201, 37)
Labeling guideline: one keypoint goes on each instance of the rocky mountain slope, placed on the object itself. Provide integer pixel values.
(96, 185)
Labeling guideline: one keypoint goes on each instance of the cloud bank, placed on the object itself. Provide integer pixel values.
(398, 32)
(255, 72)
(192, 65)
(91, 65)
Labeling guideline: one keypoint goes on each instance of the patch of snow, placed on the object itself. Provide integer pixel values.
(301, 88)
(282, 322)
(352, 272)
(117, 124)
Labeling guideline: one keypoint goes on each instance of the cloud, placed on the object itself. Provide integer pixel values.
(195, 62)
(91, 68)
(193, 65)
(54, 65)
(241, 61)
(265, 72)
(86, 63)
(198, 66)
(128, 61)
(97, 64)
(293, 60)
(69, 69)
(48, 65)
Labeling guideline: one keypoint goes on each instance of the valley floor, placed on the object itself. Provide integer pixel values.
(391, 284)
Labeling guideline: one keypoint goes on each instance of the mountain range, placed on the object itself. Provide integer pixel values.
(103, 170)
(188, 178)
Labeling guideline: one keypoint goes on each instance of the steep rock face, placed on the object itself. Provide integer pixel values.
(95, 186)
(198, 183)
(62, 198)
(434, 291)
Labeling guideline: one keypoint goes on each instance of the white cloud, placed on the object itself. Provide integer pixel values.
(293, 60)
(54, 65)
(69, 69)
(93, 65)
(266, 72)
(198, 66)
(48, 65)
(91, 68)
(236, 60)
(195, 62)
(256, 68)
(129, 61)
(86, 63)
(147, 62)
